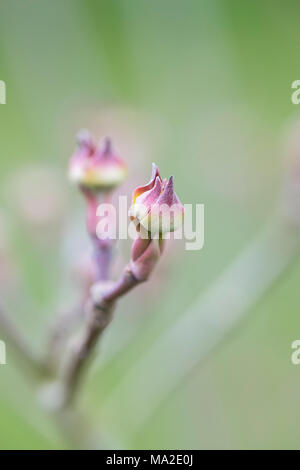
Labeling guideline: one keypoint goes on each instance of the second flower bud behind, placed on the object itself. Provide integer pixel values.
(96, 167)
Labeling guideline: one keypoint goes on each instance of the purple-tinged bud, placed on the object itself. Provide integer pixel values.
(142, 189)
(156, 206)
(96, 168)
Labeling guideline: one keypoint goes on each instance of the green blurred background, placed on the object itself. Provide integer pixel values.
(202, 88)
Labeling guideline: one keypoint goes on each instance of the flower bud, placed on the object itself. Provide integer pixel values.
(156, 206)
(96, 168)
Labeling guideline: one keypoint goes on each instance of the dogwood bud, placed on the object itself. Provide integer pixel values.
(94, 167)
(156, 206)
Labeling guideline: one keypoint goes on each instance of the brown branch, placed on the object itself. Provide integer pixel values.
(99, 313)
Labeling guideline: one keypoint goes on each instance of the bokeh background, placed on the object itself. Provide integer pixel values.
(203, 88)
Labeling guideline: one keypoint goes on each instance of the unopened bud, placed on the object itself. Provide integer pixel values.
(96, 167)
(156, 206)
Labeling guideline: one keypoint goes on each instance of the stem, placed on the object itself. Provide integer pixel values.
(103, 252)
(103, 256)
(126, 282)
(99, 314)
(82, 351)
(103, 247)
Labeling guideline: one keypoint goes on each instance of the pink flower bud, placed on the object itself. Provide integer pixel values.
(156, 206)
(95, 167)
(142, 189)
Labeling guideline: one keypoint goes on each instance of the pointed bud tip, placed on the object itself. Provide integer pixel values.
(83, 136)
(170, 185)
(155, 172)
(107, 147)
